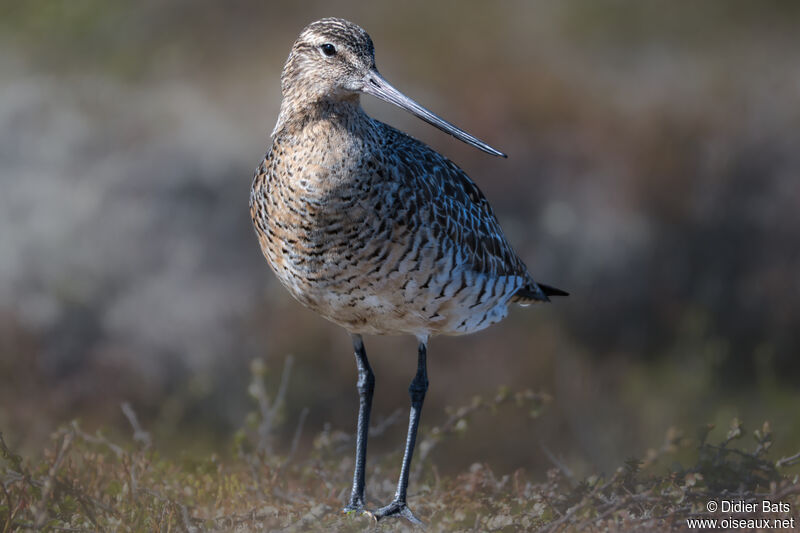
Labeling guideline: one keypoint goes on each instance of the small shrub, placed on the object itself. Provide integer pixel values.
(86, 482)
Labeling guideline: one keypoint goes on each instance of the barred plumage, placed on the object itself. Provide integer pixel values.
(369, 227)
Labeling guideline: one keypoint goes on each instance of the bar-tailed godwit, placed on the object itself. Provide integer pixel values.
(373, 229)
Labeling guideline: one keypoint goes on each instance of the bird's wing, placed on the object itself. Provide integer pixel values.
(458, 208)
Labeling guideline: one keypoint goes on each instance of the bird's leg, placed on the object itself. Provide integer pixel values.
(366, 386)
(417, 389)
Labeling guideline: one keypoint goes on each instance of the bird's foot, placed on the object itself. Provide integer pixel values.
(398, 509)
(355, 507)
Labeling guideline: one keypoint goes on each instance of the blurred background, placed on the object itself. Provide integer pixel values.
(653, 171)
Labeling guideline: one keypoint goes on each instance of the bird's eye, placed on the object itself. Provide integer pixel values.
(328, 49)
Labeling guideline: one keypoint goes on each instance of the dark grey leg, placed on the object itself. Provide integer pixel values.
(417, 389)
(366, 386)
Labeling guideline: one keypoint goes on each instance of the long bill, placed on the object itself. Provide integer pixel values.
(377, 86)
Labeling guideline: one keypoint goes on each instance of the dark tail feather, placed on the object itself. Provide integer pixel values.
(552, 291)
(538, 292)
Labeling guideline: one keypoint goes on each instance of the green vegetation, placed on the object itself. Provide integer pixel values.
(87, 482)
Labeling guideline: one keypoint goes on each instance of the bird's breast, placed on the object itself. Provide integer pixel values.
(313, 206)
(352, 237)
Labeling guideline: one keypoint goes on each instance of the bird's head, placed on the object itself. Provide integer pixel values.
(330, 60)
(333, 60)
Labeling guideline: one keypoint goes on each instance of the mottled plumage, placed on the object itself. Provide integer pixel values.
(367, 226)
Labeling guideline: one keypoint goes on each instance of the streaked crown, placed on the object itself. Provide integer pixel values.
(329, 60)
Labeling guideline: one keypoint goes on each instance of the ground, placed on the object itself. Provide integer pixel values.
(87, 482)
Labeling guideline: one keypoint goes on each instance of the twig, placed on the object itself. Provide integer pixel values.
(139, 434)
(296, 438)
(553, 526)
(264, 409)
(788, 491)
(12, 510)
(98, 439)
(381, 427)
(374, 431)
(559, 464)
(287, 497)
(268, 413)
(16, 460)
(132, 472)
(251, 462)
(183, 510)
(612, 507)
(427, 445)
(234, 520)
(284, 385)
(312, 516)
(187, 522)
(19, 474)
(82, 500)
(41, 514)
(787, 461)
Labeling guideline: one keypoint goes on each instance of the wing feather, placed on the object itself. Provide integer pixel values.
(458, 205)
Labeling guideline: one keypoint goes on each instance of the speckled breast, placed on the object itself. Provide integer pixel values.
(352, 239)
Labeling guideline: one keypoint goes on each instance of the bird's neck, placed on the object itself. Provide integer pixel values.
(297, 111)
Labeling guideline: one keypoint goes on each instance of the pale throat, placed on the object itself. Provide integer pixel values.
(300, 107)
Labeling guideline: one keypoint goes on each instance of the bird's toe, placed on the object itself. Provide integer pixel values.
(397, 509)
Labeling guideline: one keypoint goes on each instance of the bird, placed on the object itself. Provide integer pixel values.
(373, 229)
